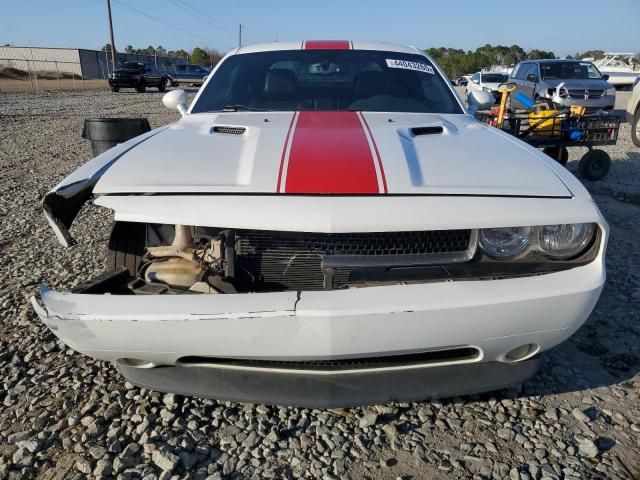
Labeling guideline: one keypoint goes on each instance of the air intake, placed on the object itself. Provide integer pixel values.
(427, 130)
(229, 130)
(461, 354)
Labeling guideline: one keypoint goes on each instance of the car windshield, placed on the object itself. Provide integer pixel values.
(569, 71)
(494, 77)
(362, 80)
(131, 65)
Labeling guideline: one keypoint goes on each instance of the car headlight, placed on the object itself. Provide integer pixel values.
(504, 242)
(557, 242)
(564, 241)
(486, 89)
(610, 91)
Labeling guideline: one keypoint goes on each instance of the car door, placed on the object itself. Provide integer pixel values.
(531, 79)
(193, 73)
(517, 77)
(181, 73)
(151, 74)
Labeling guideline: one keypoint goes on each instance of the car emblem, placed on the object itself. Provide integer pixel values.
(586, 94)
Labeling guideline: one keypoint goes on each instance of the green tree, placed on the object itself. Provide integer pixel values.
(199, 56)
(129, 49)
(595, 54)
(178, 53)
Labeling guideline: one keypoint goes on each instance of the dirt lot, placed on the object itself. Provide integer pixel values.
(65, 416)
(48, 85)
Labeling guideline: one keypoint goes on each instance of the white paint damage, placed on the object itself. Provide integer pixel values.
(493, 316)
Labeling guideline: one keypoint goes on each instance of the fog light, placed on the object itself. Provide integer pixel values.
(522, 352)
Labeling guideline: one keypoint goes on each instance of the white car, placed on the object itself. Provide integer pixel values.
(487, 82)
(342, 232)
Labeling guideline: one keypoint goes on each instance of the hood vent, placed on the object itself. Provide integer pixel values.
(228, 130)
(435, 130)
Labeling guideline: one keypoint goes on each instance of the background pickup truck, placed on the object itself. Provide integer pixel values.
(188, 75)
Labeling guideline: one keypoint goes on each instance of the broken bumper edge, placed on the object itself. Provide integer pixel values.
(299, 389)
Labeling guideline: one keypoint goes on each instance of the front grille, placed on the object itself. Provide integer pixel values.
(580, 93)
(406, 360)
(270, 261)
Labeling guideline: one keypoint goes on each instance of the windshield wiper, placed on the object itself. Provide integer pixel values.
(237, 108)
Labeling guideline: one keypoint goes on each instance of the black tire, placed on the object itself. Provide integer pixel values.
(594, 165)
(115, 89)
(559, 154)
(126, 246)
(635, 128)
(141, 87)
(162, 85)
(168, 82)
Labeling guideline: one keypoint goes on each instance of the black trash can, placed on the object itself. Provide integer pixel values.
(105, 133)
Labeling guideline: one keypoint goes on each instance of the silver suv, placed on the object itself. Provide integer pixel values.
(564, 82)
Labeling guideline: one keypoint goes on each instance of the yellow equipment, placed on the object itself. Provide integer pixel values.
(505, 90)
(545, 122)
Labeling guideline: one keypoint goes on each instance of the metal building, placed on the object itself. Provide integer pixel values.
(90, 64)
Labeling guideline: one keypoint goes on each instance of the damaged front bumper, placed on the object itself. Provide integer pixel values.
(262, 347)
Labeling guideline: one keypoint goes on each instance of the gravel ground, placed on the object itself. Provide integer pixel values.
(65, 416)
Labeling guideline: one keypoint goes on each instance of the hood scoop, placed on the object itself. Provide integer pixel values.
(228, 130)
(432, 130)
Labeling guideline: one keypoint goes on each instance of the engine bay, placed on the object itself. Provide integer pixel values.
(160, 259)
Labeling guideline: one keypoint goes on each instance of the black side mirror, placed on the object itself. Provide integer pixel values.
(605, 76)
(532, 77)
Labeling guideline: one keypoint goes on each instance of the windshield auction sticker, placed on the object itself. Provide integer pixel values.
(419, 67)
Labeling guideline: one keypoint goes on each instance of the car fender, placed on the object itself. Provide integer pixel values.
(62, 204)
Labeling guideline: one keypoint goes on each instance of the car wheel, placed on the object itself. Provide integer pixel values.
(126, 246)
(559, 154)
(141, 87)
(162, 86)
(635, 128)
(168, 83)
(594, 165)
(115, 89)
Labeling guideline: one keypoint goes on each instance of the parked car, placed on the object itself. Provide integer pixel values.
(487, 82)
(338, 231)
(564, 83)
(136, 75)
(187, 75)
(633, 112)
(462, 81)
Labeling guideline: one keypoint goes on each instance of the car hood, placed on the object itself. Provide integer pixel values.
(335, 153)
(579, 84)
(492, 86)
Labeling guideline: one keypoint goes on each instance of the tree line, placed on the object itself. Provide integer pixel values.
(456, 62)
(207, 57)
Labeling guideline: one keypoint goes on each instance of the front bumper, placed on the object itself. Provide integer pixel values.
(606, 102)
(124, 82)
(492, 316)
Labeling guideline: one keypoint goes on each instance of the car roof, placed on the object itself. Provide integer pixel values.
(556, 60)
(350, 45)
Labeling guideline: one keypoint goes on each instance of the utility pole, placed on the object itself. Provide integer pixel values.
(240, 36)
(113, 43)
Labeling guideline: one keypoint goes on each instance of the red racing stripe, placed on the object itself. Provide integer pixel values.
(330, 154)
(284, 151)
(326, 45)
(383, 178)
